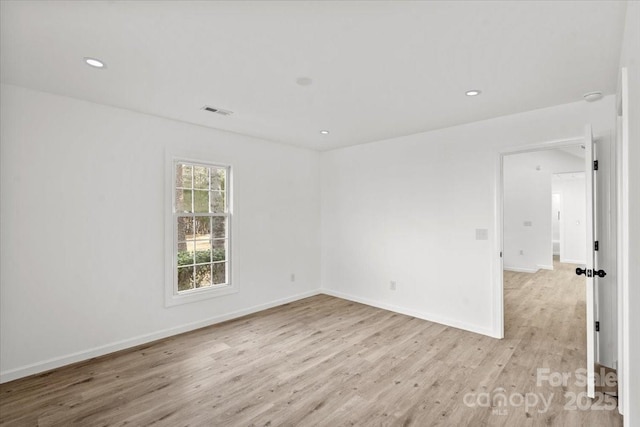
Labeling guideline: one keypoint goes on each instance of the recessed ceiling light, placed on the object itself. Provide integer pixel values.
(324, 132)
(95, 63)
(474, 92)
(592, 96)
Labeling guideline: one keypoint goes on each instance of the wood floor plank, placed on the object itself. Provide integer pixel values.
(324, 361)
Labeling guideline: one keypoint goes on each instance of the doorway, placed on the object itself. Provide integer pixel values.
(532, 188)
(531, 183)
(544, 208)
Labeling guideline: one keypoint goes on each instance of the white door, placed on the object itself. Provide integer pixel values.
(590, 261)
(606, 295)
(600, 257)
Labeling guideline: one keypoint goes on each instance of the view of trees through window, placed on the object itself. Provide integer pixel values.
(202, 225)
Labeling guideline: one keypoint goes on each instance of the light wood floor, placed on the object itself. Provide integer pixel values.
(330, 362)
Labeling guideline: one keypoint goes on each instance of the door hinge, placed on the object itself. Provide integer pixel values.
(595, 245)
(595, 165)
(597, 326)
(500, 254)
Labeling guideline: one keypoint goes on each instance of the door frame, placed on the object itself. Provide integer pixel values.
(622, 188)
(498, 267)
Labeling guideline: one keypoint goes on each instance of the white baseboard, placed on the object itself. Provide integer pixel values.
(414, 313)
(520, 270)
(58, 362)
(571, 261)
(545, 267)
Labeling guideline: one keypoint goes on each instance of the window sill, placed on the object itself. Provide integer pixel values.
(199, 295)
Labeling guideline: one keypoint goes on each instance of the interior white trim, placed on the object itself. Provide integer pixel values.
(520, 269)
(58, 362)
(414, 313)
(622, 180)
(572, 261)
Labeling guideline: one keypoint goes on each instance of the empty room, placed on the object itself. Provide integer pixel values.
(319, 213)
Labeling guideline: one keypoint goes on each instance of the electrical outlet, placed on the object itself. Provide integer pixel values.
(293, 277)
(392, 285)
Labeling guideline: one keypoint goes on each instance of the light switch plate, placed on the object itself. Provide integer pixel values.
(482, 234)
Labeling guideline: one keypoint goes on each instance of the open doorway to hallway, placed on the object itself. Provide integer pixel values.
(543, 209)
(548, 207)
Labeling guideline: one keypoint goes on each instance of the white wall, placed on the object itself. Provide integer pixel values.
(82, 224)
(630, 204)
(407, 209)
(527, 231)
(527, 223)
(555, 221)
(573, 245)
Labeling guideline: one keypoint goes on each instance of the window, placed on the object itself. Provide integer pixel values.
(201, 218)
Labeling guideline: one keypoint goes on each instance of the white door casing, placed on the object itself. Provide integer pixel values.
(590, 261)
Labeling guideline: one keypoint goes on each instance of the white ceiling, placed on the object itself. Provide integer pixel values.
(379, 69)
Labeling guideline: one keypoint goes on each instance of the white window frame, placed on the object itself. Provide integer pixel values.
(172, 296)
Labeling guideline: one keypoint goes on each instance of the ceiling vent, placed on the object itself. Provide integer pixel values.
(217, 110)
